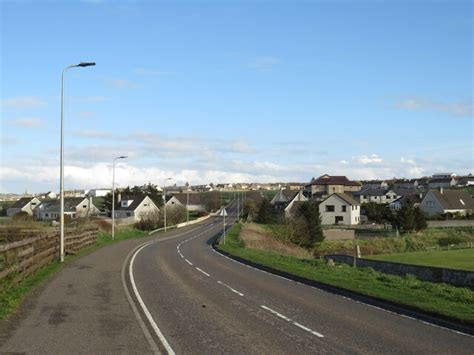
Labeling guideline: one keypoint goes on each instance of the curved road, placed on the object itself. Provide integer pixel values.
(194, 300)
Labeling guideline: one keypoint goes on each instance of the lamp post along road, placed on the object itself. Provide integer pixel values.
(113, 194)
(61, 159)
(187, 203)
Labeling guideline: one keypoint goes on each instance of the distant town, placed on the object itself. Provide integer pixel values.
(442, 195)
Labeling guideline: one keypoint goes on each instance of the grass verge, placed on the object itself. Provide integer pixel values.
(442, 299)
(11, 296)
(462, 259)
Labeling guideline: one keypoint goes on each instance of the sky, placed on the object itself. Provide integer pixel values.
(234, 91)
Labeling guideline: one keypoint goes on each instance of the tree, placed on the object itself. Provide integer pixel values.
(308, 225)
(405, 219)
(211, 200)
(377, 213)
(420, 220)
(265, 213)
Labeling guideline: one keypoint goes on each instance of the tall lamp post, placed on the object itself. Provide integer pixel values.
(113, 193)
(61, 158)
(187, 203)
(164, 198)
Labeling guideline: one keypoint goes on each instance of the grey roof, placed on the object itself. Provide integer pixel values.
(346, 198)
(404, 192)
(70, 204)
(194, 199)
(22, 202)
(451, 199)
(441, 180)
(136, 200)
(371, 192)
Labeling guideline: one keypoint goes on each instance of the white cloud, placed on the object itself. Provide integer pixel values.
(92, 134)
(364, 159)
(458, 109)
(22, 103)
(32, 122)
(263, 62)
(241, 146)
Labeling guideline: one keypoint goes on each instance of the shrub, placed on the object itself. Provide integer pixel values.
(454, 239)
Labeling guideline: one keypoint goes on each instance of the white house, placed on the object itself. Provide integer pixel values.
(24, 204)
(193, 201)
(437, 202)
(75, 207)
(339, 208)
(136, 207)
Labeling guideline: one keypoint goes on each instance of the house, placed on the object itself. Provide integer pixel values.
(413, 198)
(465, 181)
(50, 195)
(294, 203)
(406, 184)
(282, 197)
(74, 207)
(442, 182)
(24, 204)
(74, 193)
(438, 202)
(326, 185)
(374, 184)
(339, 208)
(136, 207)
(192, 200)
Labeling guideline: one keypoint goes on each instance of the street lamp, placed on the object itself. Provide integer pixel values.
(113, 193)
(187, 203)
(61, 158)
(164, 197)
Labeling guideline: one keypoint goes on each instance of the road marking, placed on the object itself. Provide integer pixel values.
(202, 271)
(230, 288)
(319, 335)
(144, 308)
(190, 263)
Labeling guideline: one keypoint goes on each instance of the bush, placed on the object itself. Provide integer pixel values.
(454, 239)
(148, 222)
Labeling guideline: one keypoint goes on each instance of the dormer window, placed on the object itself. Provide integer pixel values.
(126, 203)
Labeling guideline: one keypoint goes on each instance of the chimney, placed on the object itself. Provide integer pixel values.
(441, 190)
(119, 197)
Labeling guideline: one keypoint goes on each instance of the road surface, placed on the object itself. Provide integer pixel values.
(174, 294)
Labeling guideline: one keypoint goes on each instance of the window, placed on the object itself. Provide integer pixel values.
(430, 203)
(46, 215)
(145, 204)
(330, 208)
(33, 204)
(343, 208)
(84, 206)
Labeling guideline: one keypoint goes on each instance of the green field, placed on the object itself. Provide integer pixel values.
(454, 259)
(438, 298)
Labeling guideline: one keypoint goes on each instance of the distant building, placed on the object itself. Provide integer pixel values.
(24, 204)
(99, 192)
(339, 208)
(74, 207)
(326, 185)
(192, 200)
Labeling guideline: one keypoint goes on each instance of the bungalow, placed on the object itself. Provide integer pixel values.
(466, 181)
(445, 182)
(374, 184)
(437, 202)
(398, 203)
(192, 200)
(136, 207)
(339, 208)
(75, 207)
(24, 204)
(405, 184)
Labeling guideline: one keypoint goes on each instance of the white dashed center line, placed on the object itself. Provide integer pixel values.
(202, 271)
(230, 288)
(319, 335)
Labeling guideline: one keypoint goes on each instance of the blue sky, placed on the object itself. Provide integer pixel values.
(212, 91)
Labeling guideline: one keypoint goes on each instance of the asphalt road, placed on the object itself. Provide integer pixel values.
(133, 297)
(202, 302)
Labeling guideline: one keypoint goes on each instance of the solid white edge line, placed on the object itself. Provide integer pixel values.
(190, 263)
(202, 271)
(345, 297)
(319, 335)
(144, 308)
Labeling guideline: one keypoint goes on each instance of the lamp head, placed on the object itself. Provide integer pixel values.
(86, 64)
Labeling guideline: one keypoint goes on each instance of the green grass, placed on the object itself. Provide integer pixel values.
(442, 299)
(12, 296)
(455, 259)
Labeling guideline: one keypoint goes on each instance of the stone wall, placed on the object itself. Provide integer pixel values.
(426, 273)
(338, 234)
